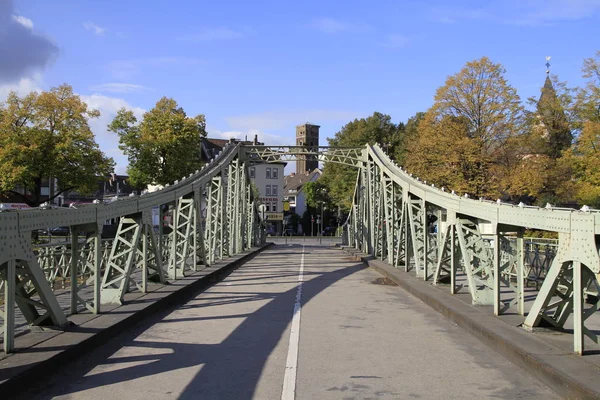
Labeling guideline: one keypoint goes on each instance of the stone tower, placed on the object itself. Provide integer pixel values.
(307, 135)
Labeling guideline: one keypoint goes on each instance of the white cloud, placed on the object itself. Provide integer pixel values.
(273, 120)
(119, 88)
(26, 22)
(109, 141)
(98, 30)
(332, 25)
(23, 86)
(210, 34)
(268, 139)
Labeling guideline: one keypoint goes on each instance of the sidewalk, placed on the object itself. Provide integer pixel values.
(545, 354)
(43, 349)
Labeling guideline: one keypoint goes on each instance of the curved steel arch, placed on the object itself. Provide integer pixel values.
(213, 216)
(393, 215)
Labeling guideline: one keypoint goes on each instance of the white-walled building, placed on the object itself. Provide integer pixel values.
(268, 179)
(293, 190)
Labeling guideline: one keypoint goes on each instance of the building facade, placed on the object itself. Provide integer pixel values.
(307, 135)
(268, 179)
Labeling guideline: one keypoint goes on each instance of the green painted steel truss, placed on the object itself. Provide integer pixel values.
(474, 246)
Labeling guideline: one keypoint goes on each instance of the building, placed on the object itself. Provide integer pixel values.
(266, 177)
(293, 189)
(269, 181)
(307, 135)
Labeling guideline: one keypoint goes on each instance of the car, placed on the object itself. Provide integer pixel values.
(59, 231)
(329, 231)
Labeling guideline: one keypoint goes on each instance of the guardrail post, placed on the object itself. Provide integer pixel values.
(10, 279)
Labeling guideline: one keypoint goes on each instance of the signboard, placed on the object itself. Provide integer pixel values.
(274, 216)
(286, 206)
(15, 206)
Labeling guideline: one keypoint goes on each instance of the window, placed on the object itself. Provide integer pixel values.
(252, 172)
(268, 190)
(267, 208)
(275, 173)
(273, 191)
(268, 173)
(274, 207)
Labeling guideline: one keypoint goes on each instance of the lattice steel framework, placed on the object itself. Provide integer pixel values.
(204, 217)
(410, 224)
(212, 215)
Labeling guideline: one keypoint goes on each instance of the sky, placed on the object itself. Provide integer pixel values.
(263, 67)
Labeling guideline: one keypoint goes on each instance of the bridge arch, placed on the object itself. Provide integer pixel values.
(395, 217)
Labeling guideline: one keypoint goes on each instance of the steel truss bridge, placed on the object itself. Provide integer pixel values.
(212, 214)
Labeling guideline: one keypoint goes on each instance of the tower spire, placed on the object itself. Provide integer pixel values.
(547, 65)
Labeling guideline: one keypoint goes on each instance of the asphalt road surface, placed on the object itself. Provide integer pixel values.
(345, 334)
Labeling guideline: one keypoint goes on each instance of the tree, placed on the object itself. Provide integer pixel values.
(467, 138)
(480, 94)
(550, 124)
(164, 147)
(378, 128)
(443, 153)
(47, 136)
(408, 135)
(588, 98)
(584, 160)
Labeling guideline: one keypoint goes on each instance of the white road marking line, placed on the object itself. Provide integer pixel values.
(291, 365)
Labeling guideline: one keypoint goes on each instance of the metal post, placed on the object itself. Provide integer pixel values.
(496, 272)
(520, 272)
(452, 259)
(578, 308)
(144, 258)
(74, 259)
(9, 306)
(97, 269)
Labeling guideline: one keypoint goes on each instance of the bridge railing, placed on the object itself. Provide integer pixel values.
(212, 215)
(395, 217)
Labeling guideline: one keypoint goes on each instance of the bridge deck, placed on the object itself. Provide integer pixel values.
(357, 338)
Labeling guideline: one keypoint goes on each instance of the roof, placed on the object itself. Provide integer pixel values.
(294, 182)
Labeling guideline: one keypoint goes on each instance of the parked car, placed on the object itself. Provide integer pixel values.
(58, 231)
(329, 231)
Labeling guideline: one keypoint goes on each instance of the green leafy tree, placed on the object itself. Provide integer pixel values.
(480, 95)
(164, 146)
(408, 135)
(467, 139)
(378, 128)
(550, 124)
(587, 104)
(47, 136)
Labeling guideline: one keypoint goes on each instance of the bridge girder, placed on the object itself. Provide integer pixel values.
(213, 215)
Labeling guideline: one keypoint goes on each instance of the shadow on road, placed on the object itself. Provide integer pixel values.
(230, 369)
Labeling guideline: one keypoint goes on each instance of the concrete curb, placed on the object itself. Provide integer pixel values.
(566, 374)
(17, 384)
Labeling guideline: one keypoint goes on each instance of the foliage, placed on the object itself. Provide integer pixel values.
(550, 125)
(47, 136)
(444, 154)
(467, 141)
(587, 104)
(406, 136)
(480, 95)
(584, 159)
(378, 128)
(164, 147)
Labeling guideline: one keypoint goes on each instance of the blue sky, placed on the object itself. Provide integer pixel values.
(264, 67)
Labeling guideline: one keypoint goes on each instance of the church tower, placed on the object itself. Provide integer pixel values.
(307, 135)
(553, 121)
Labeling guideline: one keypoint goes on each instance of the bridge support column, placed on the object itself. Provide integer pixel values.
(8, 283)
